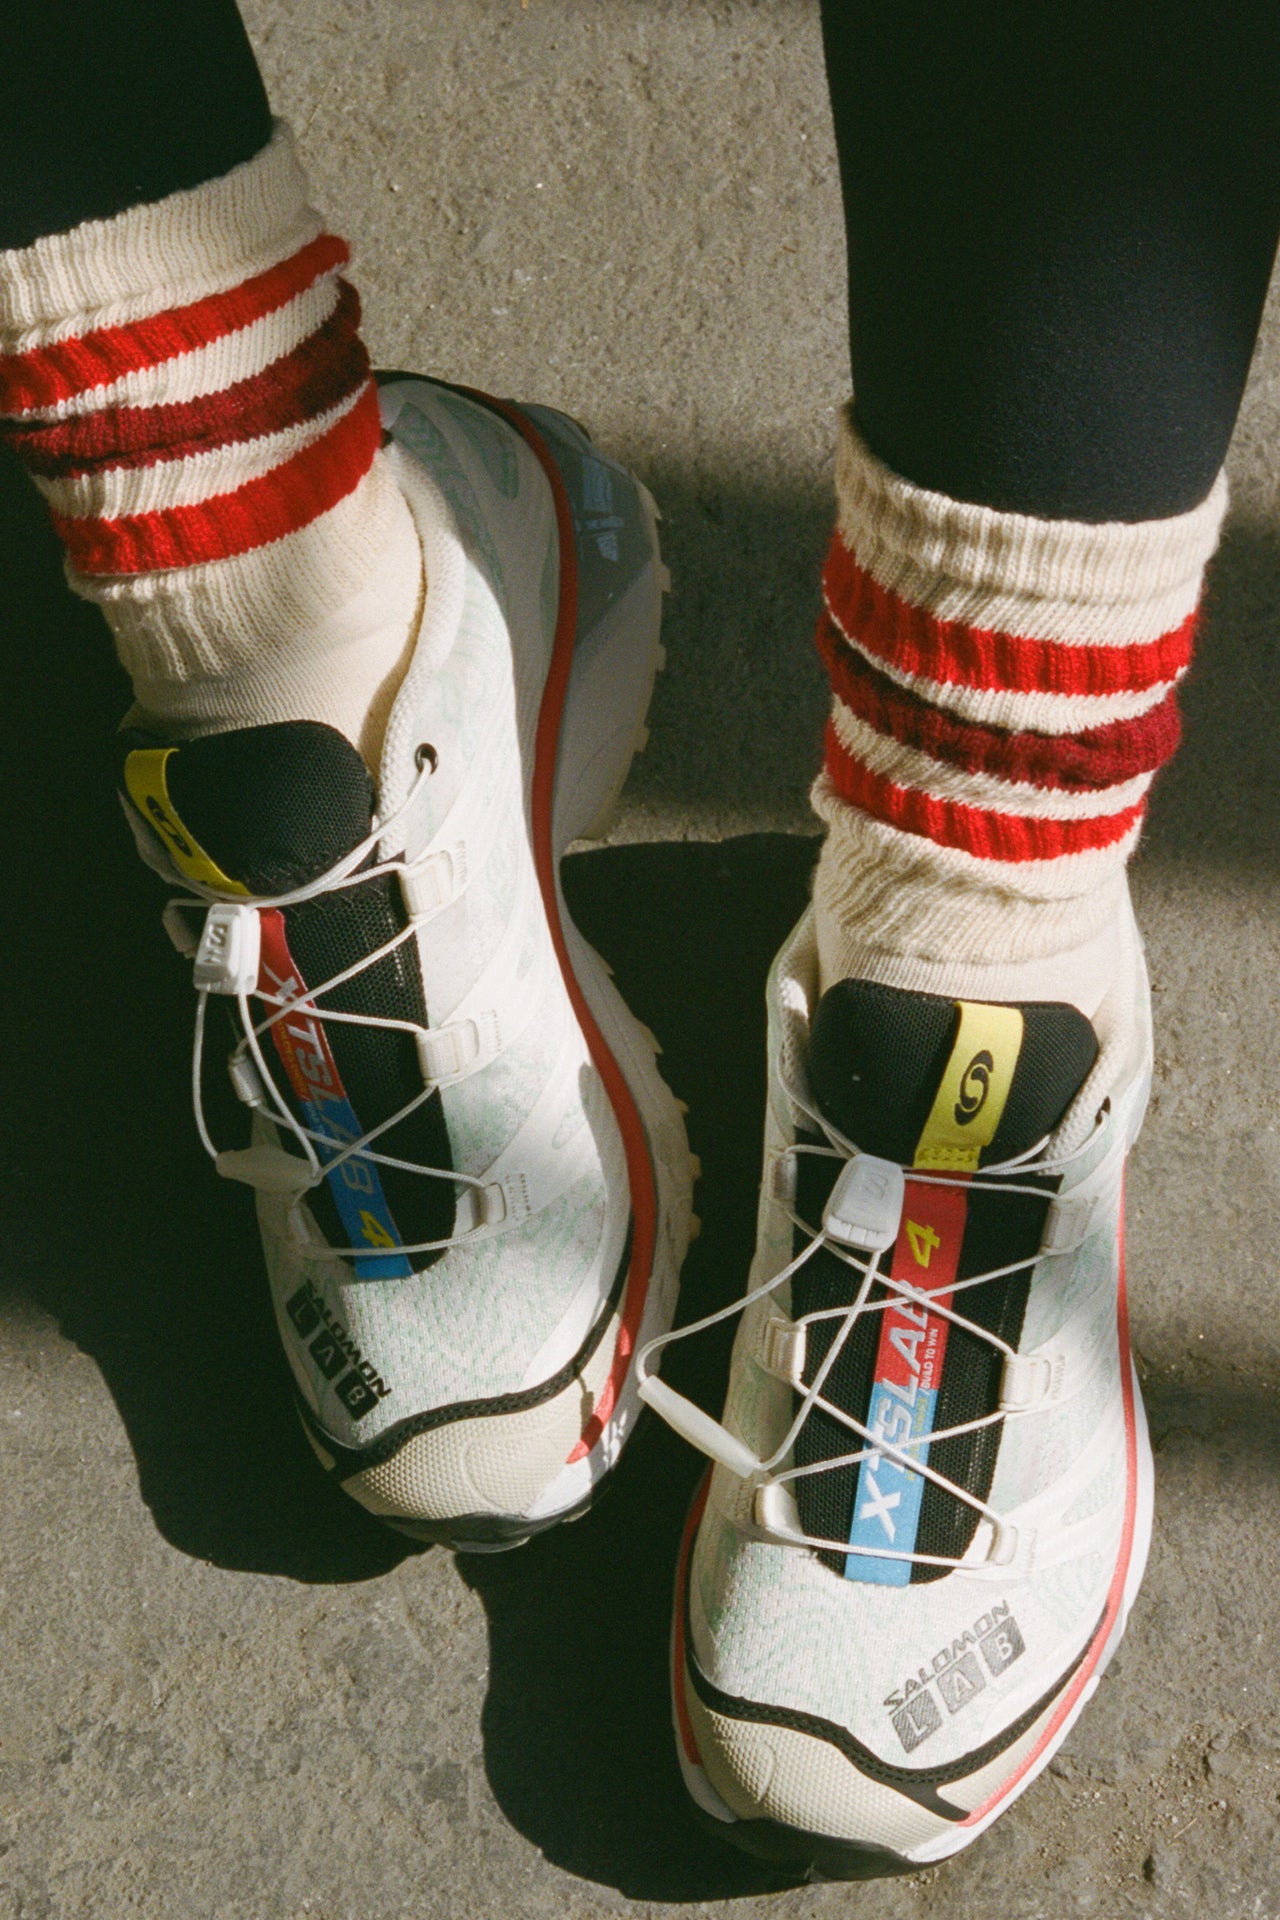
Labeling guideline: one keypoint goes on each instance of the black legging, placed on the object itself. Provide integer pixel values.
(1061, 217)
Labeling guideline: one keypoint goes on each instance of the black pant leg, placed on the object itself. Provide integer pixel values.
(1061, 217)
(105, 104)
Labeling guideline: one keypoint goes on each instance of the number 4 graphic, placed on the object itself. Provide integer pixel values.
(376, 1234)
(923, 1241)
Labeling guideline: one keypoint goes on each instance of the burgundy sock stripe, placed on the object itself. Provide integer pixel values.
(1089, 761)
(949, 653)
(986, 834)
(49, 375)
(329, 366)
(265, 509)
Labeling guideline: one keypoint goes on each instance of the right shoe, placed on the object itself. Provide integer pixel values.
(473, 1187)
(931, 1503)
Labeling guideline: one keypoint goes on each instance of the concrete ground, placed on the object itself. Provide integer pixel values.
(226, 1695)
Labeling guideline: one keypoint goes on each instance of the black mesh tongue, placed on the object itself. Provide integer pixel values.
(877, 1056)
(274, 806)
(893, 1071)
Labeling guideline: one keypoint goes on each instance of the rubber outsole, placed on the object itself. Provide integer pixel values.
(495, 1533)
(806, 1856)
(488, 1532)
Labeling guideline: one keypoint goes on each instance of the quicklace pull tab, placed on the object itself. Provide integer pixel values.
(229, 950)
(269, 1169)
(865, 1208)
(699, 1429)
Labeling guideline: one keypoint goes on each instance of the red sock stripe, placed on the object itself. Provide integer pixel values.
(277, 503)
(949, 823)
(1074, 763)
(48, 375)
(951, 654)
(328, 367)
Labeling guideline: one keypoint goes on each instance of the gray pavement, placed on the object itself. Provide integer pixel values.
(228, 1696)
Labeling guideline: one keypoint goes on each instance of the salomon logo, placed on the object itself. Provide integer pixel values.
(166, 827)
(335, 1352)
(975, 1084)
(956, 1673)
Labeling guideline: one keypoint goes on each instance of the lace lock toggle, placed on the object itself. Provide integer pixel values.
(865, 1208)
(229, 949)
(699, 1429)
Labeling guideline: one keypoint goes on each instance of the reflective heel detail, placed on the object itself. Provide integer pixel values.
(618, 649)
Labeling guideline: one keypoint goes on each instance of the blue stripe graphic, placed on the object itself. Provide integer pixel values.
(886, 1507)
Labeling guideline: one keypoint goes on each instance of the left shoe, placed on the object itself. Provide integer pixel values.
(472, 1185)
(931, 1504)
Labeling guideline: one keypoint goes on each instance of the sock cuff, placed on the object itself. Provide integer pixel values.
(1004, 690)
(1112, 583)
(163, 254)
(175, 627)
(880, 890)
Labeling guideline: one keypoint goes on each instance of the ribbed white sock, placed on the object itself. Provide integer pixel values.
(1004, 691)
(187, 386)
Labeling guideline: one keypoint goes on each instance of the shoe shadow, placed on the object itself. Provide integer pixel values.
(114, 1223)
(578, 1620)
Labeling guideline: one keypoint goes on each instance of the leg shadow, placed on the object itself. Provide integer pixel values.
(577, 1732)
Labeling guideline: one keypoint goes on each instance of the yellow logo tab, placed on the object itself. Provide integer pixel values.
(145, 783)
(971, 1098)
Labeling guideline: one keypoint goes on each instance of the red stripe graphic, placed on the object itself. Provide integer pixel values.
(304, 1047)
(926, 1256)
(1119, 1579)
(275, 504)
(644, 1208)
(326, 368)
(949, 823)
(58, 372)
(1075, 763)
(945, 651)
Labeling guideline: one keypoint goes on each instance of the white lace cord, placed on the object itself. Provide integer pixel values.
(342, 874)
(737, 1456)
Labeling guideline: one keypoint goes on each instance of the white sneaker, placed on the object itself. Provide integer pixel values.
(473, 1187)
(931, 1506)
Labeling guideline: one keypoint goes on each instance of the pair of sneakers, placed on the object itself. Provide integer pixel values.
(929, 1499)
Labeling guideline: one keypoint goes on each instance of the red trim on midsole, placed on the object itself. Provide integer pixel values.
(325, 368)
(277, 503)
(949, 823)
(546, 748)
(47, 375)
(683, 1721)
(1082, 762)
(1115, 1595)
(946, 651)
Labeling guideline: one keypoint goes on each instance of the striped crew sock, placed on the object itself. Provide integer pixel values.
(1005, 689)
(187, 386)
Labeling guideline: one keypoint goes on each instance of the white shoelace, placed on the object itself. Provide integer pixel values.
(272, 1168)
(771, 1478)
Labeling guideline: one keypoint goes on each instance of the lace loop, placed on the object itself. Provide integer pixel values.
(226, 958)
(862, 1201)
